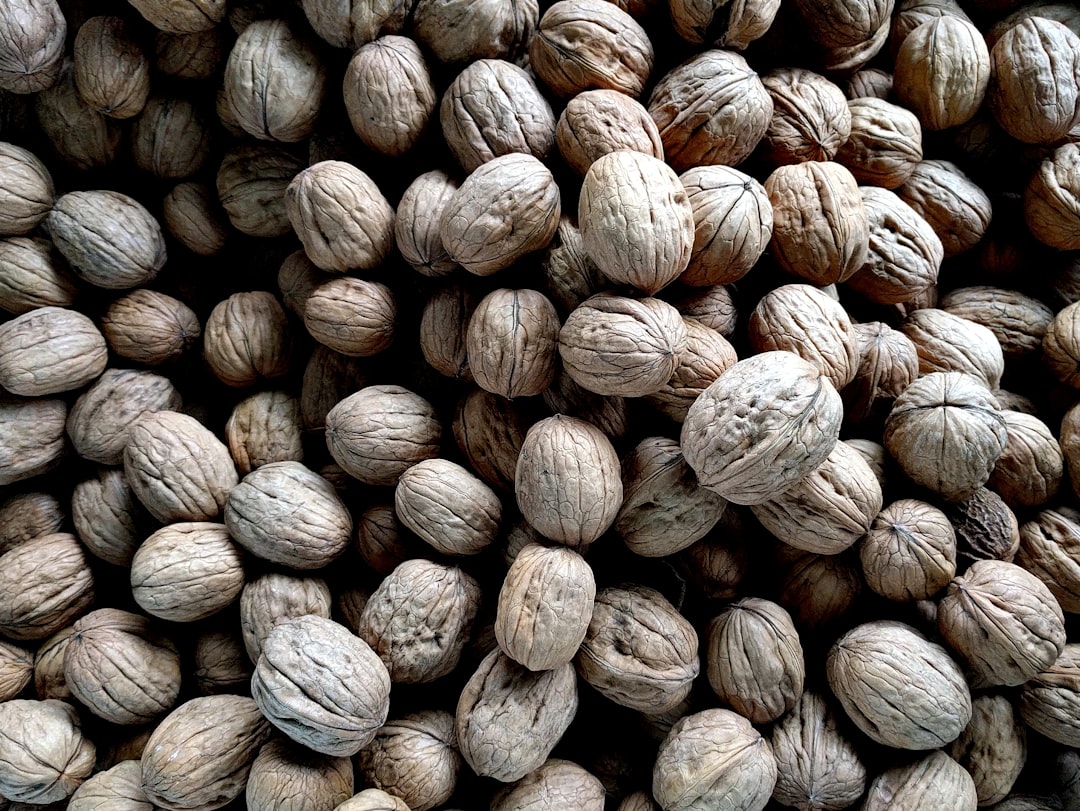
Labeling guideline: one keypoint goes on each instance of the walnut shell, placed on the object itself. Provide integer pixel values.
(383, 542)
(942, 72)
(16, 670)
(272, 598)
(705, 356)
(181, 16)
(868, 83)
(610, 414)
(119, 787)
(992, 748)
(936, 779)
(32, 36)
(723, 24)
(1052, 199)
(285, 776)
(957, 209)
(112, 72)
(444, 326)
(1030, 469)
(1050, 702)
(1018, 321)
(448, 507)
(247, 339)
(26, 190)
(187, 572)
(511, 342)
(373, 799)
(264, 428)
(25, 516)
(817, 589)
(489, 431)
(171, 138)
(986, 529)
(149, 327)
(416, 226)
(329, 377)
(50, 350)
(509, 718)
(32, 276)
(811, 119)
(888, 363)
(459, 31)
(32, 438)
(949, 343)
(81, 137)
(198, 55)
(713, 306)
(596, 122)
(885, 143)
(1050, 550)
(909, 552)
(570, 274)
(353, 24)
(251, 184)
(221, 664)
(415, 758)
(555, 784)
(44, 756)
(44, 585)
(191, 213)
(352, 316)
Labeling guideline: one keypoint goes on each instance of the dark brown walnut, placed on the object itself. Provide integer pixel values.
(32, 275)
(444, 325)
(265, 428)
(567, 481)
(1035, 81)
(32, 36)
(353, 24)
(379, 432)
(713, 306)
(191, 213)
(198, 55)
(504, 210)
(121, 668)
(419, 619)
(448, 507)
(1061, 345)
(181, 16)
(723, 24)
(247, 339)
(494, 108)
(273, 598)
(32, 439)
(112, 71)
(761, 427)
(178, 469)
(26, 190)
(818, 766)
(754, 660)
(869, 83)
(201, 754)
(992, 748)
(171, 138)
(639, 651)
(509, 718)
(220, 663)
(899, 688)
(321, 685)
(459, 31)
(1003, 621)
(910, 551)
(829, 509)
(935, 780)
(949, 343)
(885, 143)
(186, 572)
(888, 363)
(414, 758)
(416, 225)
(811, 119)
(99, 420)
(705, 356)
(664, 509)
(489, 431)
(1031, 468)
(596, 122)
(16, 670)
(1050, 702)
(712, 109)
(383, 542)
(352, 316)
(511, 342)
(942, 71)
(329, 377)
(569, 273)
(1052, 199)
(289, 777)
(1018, 321)
(150, 327)
(50, 350)
(957, 209)
(1050, 550)
(610, 414)
(251, 184)
(555, 784)
(81, 137)
(44, 585)
(119, 787)
(25, 516)
(713, 759)
(613, 345)
(109, 239)
(946, 433)
(44, 755)
(817, 590)
(986, 529)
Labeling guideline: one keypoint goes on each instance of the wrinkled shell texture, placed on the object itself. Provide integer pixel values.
(32, 440)
(462, 30)
(949, 343)
(247, 339)
(935, 780)
(50, 350)
(909, 553)
(885, 143)
(597, 122)
(888, 363)
(942, 72)
(30, 276)
(956, 208)
(723, 24)
(44, 585)
(511, 343)
(705, 356)
(273, 598)
(149, 327)
(415, 758)
(286, 776)
(32, 46)
(251, 186)
(555, 784)
(111, 71)
(1052, 199)
(992, 748)
(448, 507)
(44, 756)
(416, 226)
(1050, 702)
(265, 428)
(811, 119)
(1050, 550)
(26, 190)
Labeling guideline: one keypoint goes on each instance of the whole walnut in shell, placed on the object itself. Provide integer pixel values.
(555, 784)
(26, 190)
(721, 23)
(415, 758)
(119, 787)
(31, 276)
(416, 225)
(32, 440)
(112, 72)
(992, 748)
(956, 208)
(275, 597)
(45, 584)
(83, 138)
(25, 516)
(285, 776)
(942, 71)
(885, 143)
(247, 339)
(50, 350)
(181, 16)
(16, 670)
(1050, 550)
(511, 342)
(458, 31)
(1029, 471)
(490, 430)
(251, 184)
(265, 428)
(909, 553)
(149, 327)
(596, 122)
(171, 138)
(448, 507)
(888, 363)
(197, 55)
(986, 529)
(1050, 702)
(32, 36)
(935, 780)
(353, 24)
(705, 356)
(1017, 320)
(949, 343)
(811, 119)
(191, 213)
(44, 756)
(1052, 199)
(352, 316)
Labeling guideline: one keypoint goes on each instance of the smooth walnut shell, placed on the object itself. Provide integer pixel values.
(1030, 470)
(16, 670)
(511, 343)
(112, 72)
(44, 756)
(32, 276)
(416, 226)
(32, 36)
(942, 71)
(32, 437)
(705, 356)
(265, 428)
(1050, 550)
(712, 109)
(358, 22)
(198, 55)
(489, 431)
(419, 619)
(459, 31)
(639, 651)
(909, 553)
(1052, 199)
(935, 780)
(949, 343)
(898, 687)
(149, 327)
(885, 143)
(44, 585)
(811, 119)
(50, 350)
(80, 136)
(448, 507)
(108, 517)
(415, 758)
(247, 339)
(992, 748)
(289, 777)
(957, 209)
(721, 23)
(888, 363)
(596, 122)
(119, 787)
(25, 516)
(761, 427)
(352, 316)
(1050, 702)
(555, 784)
(181, 16)
(510, 718)
(251, 184)
(272, 598)
(444, 326)
(191, 213)
(26, 190)
(187, 572)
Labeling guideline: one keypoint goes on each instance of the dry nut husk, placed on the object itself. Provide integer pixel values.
(909, 552)
(149, 327)
(50, 350)
(32, 438)
(992, 748)
(511, 342)
(44, 585)
(885, 143)
(285, 775)
(596, 122)
(415, 758)
(112, 72)
(448, 507)
(935, 780)
(26, 190)
(44, 756)
(32, 36)
(1050, 702)
(986, 529)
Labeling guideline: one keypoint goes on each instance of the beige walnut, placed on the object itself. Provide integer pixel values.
(197, 55)
(935, 780)
(1030, 469)
(251, 184)
(942, 71)
(414, 758)
(352, 316)
(610, 414)
(992, 748)
(150, 327)
(956, 208)
(32, 37)
(44, 755)
(511, 342)
(869, 83)
(909, 552)
(1050, 550)
(1018, 321)
(119, 787)
(45, 584)
(265, 428)
(444, 327)
(416, 225)
(50, 350)
(844, 59)
(16, 670)
(555, 784)
(721, 23)
(288, 777)
(705, 356)
(811, 119)
(26, 190)
(459, 31)
(181, 16)
(885, 143)
(31, 276)
(247, 339)
(949, 343)
(32, 439)
(373, 799)
(112, 72)
(108, 517)
(274, 597)
(1050, 702)
(1064, 13)
(489, 431)
(596, 122)
(447, 507)
(354, 24)
(1052, 199)
(888, 363)
(910, 14)
(713, 306)
(191, 213)
(83, 138)
(25, 516)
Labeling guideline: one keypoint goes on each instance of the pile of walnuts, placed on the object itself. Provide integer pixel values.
(539, 406)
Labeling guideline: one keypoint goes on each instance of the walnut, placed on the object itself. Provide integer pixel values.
(567, 481)
(909, 552)
(847, 58)
(570, 274)
(283, 772)
(119, 787)
(181, 16)
(264, 428)
(272, 598)
(555, 784)
(1061, 345)
(639, 651)
(44, 756)
(596, 122)
(818, 590)
(448, 507)
(354, 24)
(936, 779)
(885, 143)
(957, 209)
(459, 31)
(247, 339)
(811, 119)
(898, 687)
(1018, 321)
(510, 718)
(1050, 550)
(25, 516)
(415, 758)
(26, 190)
(32, 437)
(712, 306)
(1050, 702)
(44, 585)
(31, 276)
(329, 377)
(942, 71)
(489, 431)
(444, 325)
(511, 342)
(705, 356)
(112, 72)
(761, 427)
(186, 572)
(198, 55)
(416, 226)
(352, 316)
(723, 24)
(191, 213)
(986, 529)
(610, 414)
(50, 350)
(383, 541)
(1030, 470)
(949, 343)
(83, 138)
(910, 14)
(731, 110)
(992, 748)
(869, 83)
(251, 184)
(719, 562)
(16, 670)
(171, 138)
(32, 36)
(373, 799)
(713, 759)
(1052, 199)
(149, 327)
(888, 363)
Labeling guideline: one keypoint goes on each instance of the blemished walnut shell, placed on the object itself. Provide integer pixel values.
(251, 184)
(353, 25)
(811, 119)
(942, 72)
(415, 758)
(885, 143)
(1030, 470)
(589, 45)
(191, 213)
(458, 31)
(1052, 199)
(494, 108)
(949, 343)
(639, 651)
(419, 619)
(448, 507)
(32, 275)
(1050, 702)
(186, 572)
(247, 339)
(284, 771)
(705, 356)
(731, 110)
(82, 138)
(32, 439)
(511, 342)
(936, 779)
(509, 718)
(761, 427)
(986, 529)
(489, 431)
(200, 755)
(713, 759)
(416, 225)
(25, 516)
(818, 765)
(44, 755)
(946, 432)
(550, 786)
(1050, 550)
(596, 122)
(26, 190)
(264, 428)
(723, 24)
(909, 553)
(150, 327)
(899, 688)
(112, 72)
(119, 787)
(957, 209)
(992, 748)
(50, 350)
(569, 497)
(32, 37)
(352, 316)
(888, 363)
(197, 55)
(274, 597)
(16, 670)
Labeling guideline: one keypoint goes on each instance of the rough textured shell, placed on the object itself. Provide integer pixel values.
(1018, 321)
(181, 16)
(490, 430)
(31, 276)
(992, 748)
(353, 24)
(149, 327)
(935, 780)
(448, 507)
(811, 119)
(81, 137)
(596, 122)
(1029, 471)
(352, 316)
(275, 597)
(26, 190)
(949, 343)
(706, 355)
(909, 552)
(556, 784)
(373, 799)
(1050, 550)
(956, 208)
(1052, 199)
(467, 30)
(885, 143)
(1050, 702)
(265, 428)
(942, 71)
(416, 226)
(43, 754)
(511, 342)
(986, 529)
(221, 664)
(112, 72)
(25, 516)
(888, 363)
(50, 350)
(32, 37)
(247, 339)
(44, 585)
(415, 758)
(171, 139)
(119, 788)
(251, 184)
(723, 24)
(16, 670)
(32, 438)
(288, 777)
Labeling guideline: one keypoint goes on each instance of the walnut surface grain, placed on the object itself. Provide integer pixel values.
(354, 24)
(888, 363)
(992, 748)
(458, 31)
(32, 276)
(32, 37)
(1052, 199)
(119, 787)
(25, 516)
(885, 143)
(149, 327)
(1050, 550)
(489, 431)
(957, 209)
(1030, 469)
(112, 71)
(82, 137)
(289, 777)
(723, 24)
(555, 784)
(570, 276)
(935, 779)
(275, 597)
(705, 356)
(247, 338)
(251, 184)
(447, 507)
(511, 342)
(50, 350)
(16, 670)
(596, 122)
(909, 553)
(26, 190)
(32, 440)
(44, 755)
(811, 119)
(416, 224)
(942, 71)
(949, 343)
(195, 55)
(415, 758)
(191, 213)
(264, 428)
(1050, 702)
(220, 663)
(352, 316)
(44, 585)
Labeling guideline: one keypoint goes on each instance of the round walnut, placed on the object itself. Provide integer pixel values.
(187, 572)
(383, 542)
(272, 598)
(639, 651)
(712, 109)
(596, 122)
(32, 276)
(489, 431)
(1050, 550)
(888, 363)
(44, 756)
(623, 191)
(1018, 321)
(722, 24)
(416, 226)
(555, 784)
(946, 432)
(821, 230)
(171, 138)
(220, 663)
(251, 185)
(265, 428)
(569, 497)
(545, 605)
(112, 72)
(191, 213)
(448, 507)
(494, 108)
(81, 137)
(419, 619)
(321, 686)
(32, 36)
(201, 754)
(811, 119)
(108, 238)
(119, 787)
(936, 780)
(1052, 199)
(509, 718)
(761, 427)
(634, 353)
(1030, 470)
(949, 343)
(50, 350)
(869, 83)
(32, 439)
(1061, 345)
(570, 276)
(1064, 13)
(1003, 621)
(44, 585)
(992, 748)
(885, 144)
(712, 306)
(199, 55)
(352, 316)
(414, 758)
(444, 327)
(1050, 702)
(16, 670)
(957, 209)
(25, 516)
(120, 668)
(284, 772)
(149, 327)
(910, 551)
(247, 339)
(505, 209)
(705, 357)
(899, 688)
(714, 759)
(389, 95)
(511, 343)
(910, 14)
(26, 190)
(459, 31)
